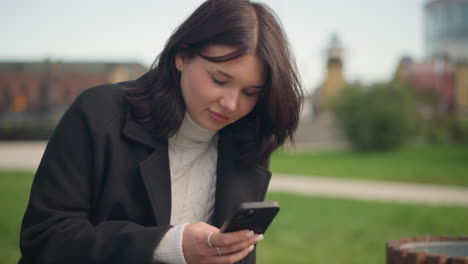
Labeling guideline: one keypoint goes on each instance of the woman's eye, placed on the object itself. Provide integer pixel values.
(250, 94)
(218, 82)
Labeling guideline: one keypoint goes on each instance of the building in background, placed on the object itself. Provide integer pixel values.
(461, 91)
(434, 76)
(33, 90)
(444, 70)
(334, 79)
(34, 95)
(317, 128)
(446, 29)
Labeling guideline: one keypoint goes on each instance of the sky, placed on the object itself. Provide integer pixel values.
(374, 33)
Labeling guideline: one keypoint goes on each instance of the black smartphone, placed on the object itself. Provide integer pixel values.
(255, 216)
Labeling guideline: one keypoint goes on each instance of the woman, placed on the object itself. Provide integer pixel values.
(146, 171)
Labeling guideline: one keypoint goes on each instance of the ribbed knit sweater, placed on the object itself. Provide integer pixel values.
(192, 159)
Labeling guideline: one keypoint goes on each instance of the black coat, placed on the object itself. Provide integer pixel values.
(102, 192)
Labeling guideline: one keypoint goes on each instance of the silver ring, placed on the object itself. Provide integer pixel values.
(218, 250)
(209, 239)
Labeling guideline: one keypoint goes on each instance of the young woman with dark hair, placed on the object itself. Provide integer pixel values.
(146, 171)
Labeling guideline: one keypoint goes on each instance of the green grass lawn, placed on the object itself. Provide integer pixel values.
(447, 165)
(307, 229)
(14, 194)
(324, 230)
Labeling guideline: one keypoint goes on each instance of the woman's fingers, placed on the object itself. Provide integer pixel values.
(244, 244)
(224, 239)
(225, 247)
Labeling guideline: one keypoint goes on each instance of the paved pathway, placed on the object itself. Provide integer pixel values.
(26, 155)
(21, 155)
(367, 190)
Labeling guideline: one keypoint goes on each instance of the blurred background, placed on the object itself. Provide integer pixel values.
(386, 85)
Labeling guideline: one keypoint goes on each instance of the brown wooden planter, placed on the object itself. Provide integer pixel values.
(428, 250)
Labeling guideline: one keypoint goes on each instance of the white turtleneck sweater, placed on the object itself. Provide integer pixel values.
(192, 158)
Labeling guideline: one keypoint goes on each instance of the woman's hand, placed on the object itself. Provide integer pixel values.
(225, 247)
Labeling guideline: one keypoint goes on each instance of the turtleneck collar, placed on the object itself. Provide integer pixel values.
(190, 132)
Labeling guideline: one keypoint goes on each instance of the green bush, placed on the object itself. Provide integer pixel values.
(438, 130)
(460, 130)
(379, 117)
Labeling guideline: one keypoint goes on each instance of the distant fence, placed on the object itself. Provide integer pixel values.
(28, 126)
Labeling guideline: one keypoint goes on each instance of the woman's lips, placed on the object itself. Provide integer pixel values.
(218, 117)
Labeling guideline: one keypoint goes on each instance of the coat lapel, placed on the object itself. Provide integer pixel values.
(154, 170)
(236, 181)
(157, 179)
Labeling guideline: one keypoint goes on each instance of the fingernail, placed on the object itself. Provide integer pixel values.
(250, 234)
(251, 248)
(259, 238)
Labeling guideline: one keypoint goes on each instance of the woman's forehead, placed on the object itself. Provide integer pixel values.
(218, 50)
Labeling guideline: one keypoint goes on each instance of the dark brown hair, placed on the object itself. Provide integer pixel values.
(252, 28)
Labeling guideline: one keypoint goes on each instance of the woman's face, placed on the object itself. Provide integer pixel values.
(218, 94)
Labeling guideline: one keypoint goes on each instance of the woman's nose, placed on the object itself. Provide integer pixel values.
(230, 101)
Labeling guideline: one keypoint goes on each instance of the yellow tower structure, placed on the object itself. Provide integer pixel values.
(402, 74)
(334, 79)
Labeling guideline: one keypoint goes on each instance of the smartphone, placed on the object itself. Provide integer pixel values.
(255, 216)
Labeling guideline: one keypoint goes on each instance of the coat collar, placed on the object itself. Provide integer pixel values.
(134, 131)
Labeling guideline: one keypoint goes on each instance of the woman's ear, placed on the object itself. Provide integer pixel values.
(180, 60)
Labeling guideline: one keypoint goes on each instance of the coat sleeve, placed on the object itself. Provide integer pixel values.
(57, 225)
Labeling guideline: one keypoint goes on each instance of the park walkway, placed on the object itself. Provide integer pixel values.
(370, 190)
(26, 155)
